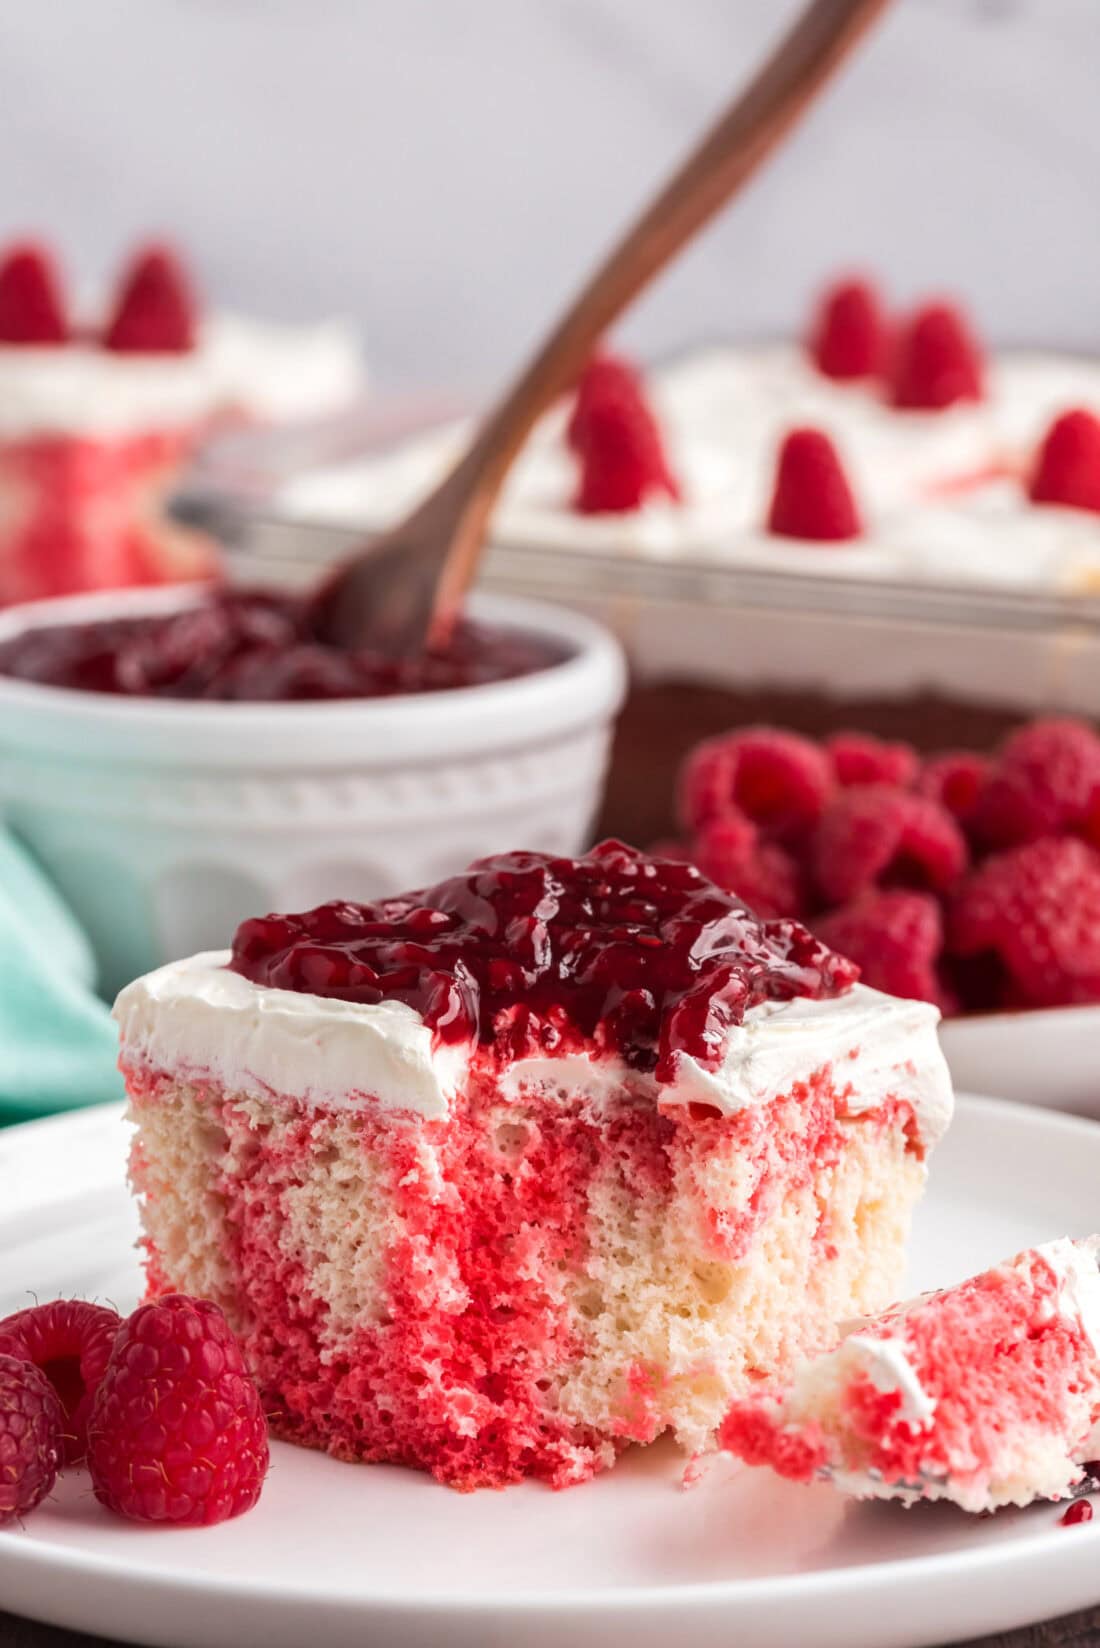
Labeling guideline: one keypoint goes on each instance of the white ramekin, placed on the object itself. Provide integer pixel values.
(165, 823)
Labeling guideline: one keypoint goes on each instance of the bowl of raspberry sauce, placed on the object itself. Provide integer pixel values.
(180, 758)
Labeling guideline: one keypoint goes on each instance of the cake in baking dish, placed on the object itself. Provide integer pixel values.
(881, 448)
(497, 1177)
(986, 1394)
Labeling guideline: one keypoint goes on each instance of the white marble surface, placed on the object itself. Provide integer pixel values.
(444, 169)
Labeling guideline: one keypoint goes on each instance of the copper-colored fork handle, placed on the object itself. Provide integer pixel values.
(727, 156)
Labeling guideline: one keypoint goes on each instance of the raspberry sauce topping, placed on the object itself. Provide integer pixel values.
(529, 954)
(256, 646)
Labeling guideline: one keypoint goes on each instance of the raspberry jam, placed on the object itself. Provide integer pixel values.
(527, 953)
(256, 646)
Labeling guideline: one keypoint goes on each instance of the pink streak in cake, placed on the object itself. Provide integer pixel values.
(987, 1393)
(86, 514)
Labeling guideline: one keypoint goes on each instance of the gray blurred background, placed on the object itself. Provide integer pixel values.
(443, 170)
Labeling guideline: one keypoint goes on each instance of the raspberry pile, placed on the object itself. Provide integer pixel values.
(161, 1407)
(153, 311)
(968, 880)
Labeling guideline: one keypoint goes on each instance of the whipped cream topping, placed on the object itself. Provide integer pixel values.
(1077, 1267)
(724, 412)
(876, 1045)
(196, 1018)
(266, 372)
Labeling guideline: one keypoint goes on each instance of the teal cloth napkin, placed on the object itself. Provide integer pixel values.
(58, 1044)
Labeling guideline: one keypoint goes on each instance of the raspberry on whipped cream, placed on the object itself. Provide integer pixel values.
(937, 361)
(31, 310)
(812, 499)
(848, 334)
(986, 1394)
(154, 309)
(497, 1177)
(1067, 467)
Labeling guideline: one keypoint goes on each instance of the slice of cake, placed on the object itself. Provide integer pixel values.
(497, 1177)
(986, 1394)
(99, 415)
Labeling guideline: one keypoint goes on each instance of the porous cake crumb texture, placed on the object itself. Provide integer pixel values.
(524, 1287)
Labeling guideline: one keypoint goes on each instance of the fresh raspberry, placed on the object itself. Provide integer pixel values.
(1046, 781)
(618, 442)
(31, 1446)
(848, 333)
(69, 1340)
(738, 838)
(704, 784)
(154, 310)
(1067, 468)
(31, 309)
(177, 1433)
(1036, 909)
(778, 780)
(895, 938)
(606, 377)
(730, 852)
(937, 361)
(873, 835)
(858, 758)
(955, 780)
(811, 498)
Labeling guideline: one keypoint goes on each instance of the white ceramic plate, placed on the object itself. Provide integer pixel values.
(1049, 1057)
(345, 1555)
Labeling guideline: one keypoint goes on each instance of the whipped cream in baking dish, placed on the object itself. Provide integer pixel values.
(918, 476)
(264, 371)
(196, 1016)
